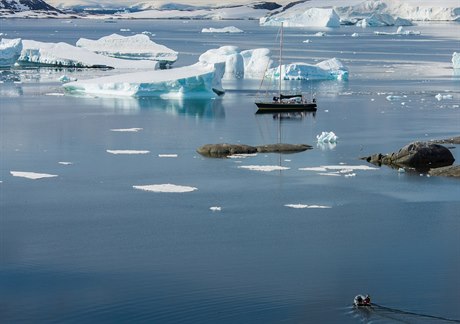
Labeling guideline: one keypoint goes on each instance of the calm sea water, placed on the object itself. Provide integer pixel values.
(87, 247)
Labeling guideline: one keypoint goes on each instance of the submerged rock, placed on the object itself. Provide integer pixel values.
(223, 150)
(417, 155)
(448, 171)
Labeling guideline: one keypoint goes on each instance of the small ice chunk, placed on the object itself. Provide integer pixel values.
(230, 29)
(393, 97)
(65, 163)
(32, 175)
(128, 151)
(355, 35)
(444, 97)
(215, 208)
(300, 206)
(65, 79)
(167, 155)
(133, 130)
(169, 188)
(264, 168)
(327, 137)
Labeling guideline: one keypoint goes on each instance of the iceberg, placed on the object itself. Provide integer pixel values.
(331, 69)
(63, 54)
(456, 60)
(327, 137)
(10, 49)
(248, 64)
(311, 17)
(230, 29)
(381, 20)
(198, 80)
(136, 47)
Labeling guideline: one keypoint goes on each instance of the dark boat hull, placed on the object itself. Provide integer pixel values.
(280, 107)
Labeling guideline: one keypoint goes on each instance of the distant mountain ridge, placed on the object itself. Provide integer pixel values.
(24, 5)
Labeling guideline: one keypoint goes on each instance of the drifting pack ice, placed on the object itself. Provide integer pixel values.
(194, 81)
(136, 47)
(62, 54)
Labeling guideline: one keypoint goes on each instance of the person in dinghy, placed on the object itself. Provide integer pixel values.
(361, 300)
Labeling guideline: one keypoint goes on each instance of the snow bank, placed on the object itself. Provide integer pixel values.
(136, 47)
(310, 17)
(230, 29)
(169, 188)
(10, 49)
(331, 69)
(249, 64)
(31, 175)
(456, 60)
(198, 80)
(63, 54)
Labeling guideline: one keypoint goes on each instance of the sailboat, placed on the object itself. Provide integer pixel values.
(282, 102)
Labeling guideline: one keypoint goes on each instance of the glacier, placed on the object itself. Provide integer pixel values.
(194, 81)
(136, 47)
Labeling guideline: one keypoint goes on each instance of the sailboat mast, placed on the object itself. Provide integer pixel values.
(281, 58)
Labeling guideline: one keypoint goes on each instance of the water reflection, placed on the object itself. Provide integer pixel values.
(199, 108)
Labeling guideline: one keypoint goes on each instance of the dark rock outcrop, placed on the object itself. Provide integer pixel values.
(417, 155)
(224, 150)
(452, 140)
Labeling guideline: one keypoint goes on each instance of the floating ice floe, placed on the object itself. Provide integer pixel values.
(128, 151)
(215, 208)
(327, 137)
(65, 163)
(63, 54)
(444, 97)
(166, 188)
(355, 35)
(127, 130)
(241, 156)
(194, 81)
(65, 79)
(331, 69)
(249, 64)
(136, 47)
(230, 29)
(264, 168)
(394, 97)
(167, 155)
(32, 175)
(399, 31)
(10, 49)
(301, 206)
(456, 60)
(338, 170)
(309, 17)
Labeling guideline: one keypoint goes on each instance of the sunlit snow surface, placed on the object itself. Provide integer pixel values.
(32, 175)
(169, 188)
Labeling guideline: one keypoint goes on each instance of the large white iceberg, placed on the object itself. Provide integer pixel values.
(10, 49)
(310, 17)
(331, 69)
(198, 80)
(249, 64)
(456, 60)
(63, 54)
(136, 47)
